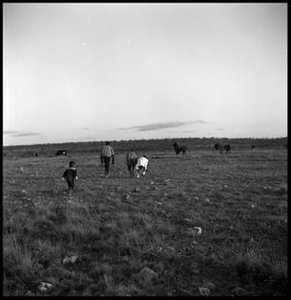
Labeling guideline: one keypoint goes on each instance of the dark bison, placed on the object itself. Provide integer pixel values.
(131, 161)
(227, 148)
(61, 152)
(219, 147)
(178, 149)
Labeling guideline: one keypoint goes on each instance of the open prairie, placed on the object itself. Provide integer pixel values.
(205, 224)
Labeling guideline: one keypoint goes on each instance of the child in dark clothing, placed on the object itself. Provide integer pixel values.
(70, 175)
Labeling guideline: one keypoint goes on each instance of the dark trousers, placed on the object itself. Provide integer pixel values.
(106, 164)
(71, 184)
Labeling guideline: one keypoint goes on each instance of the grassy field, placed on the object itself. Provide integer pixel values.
(123, 236)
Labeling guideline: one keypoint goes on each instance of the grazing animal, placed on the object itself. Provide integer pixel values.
(219, 147)
(131, 161)
(34, 154)
(253, 147)
(61, 152)
(178, 149)
(227, 148)
(142, 165)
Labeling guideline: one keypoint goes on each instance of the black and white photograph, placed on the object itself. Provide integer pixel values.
(145, 149)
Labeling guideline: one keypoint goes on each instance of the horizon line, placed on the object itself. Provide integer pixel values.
(133, 140)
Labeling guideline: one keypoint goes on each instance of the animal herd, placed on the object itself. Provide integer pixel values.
(131, 157)
(135, 163)
(220, 147)
(178, 149)
(183, 149)
(139, 165)
(58, 153)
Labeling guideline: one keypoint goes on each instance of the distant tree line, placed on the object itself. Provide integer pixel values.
(144, 145)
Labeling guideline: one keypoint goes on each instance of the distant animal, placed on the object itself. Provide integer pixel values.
(131, 161)
(219, 147)
(227, 148)
(253, 147)
(178, 149)
(61, 152)
(34, 154)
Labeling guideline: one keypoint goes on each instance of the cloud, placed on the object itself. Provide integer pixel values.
(158, 126)
(85, 128)
(10, 132)
(25, 134)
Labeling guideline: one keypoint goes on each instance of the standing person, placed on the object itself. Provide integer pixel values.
(142, 165)
(70, 175)
(107, 154)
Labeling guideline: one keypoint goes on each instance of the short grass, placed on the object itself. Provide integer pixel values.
(119, 225)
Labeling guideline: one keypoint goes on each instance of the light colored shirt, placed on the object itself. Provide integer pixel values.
(143, 162)
(107, 151)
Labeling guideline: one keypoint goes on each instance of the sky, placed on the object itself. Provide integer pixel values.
(76, 72)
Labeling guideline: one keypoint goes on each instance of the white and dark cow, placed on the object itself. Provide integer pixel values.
(142, 165)
(61, 152)
(178, 149)
(34, 154)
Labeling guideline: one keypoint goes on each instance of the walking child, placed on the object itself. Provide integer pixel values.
(70, 175)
